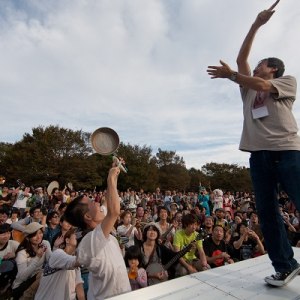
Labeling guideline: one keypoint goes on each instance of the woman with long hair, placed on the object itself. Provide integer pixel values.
(154, 252)
(30, 257)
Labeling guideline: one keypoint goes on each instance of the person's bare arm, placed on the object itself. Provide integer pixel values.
(259, 247)
(112, 200)
(183, 262)
(80, 291)
(242, 59)
(291, 227)
(253, 83)
(237, 244)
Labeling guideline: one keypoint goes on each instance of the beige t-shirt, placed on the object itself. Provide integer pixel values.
(278, 130)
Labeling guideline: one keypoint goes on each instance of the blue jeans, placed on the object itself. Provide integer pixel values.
(268, 168)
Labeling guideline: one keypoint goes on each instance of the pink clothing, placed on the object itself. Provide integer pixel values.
(140, 281)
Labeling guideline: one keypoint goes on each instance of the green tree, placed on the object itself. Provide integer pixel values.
(143, 173)
(172, 171)
(52, 153)
(196, 176)
(228, 176)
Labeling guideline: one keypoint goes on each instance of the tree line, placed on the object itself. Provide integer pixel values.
(65, 155)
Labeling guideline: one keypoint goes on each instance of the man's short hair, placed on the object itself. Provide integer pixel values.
(51, 215)
(218, 225)
(75, 212)
(189, 219)
(162, 207)
(32, 209)
(273, 62)
(253, 213)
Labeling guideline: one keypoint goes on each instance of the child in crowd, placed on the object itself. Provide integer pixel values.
(14, 217)
(137, 275)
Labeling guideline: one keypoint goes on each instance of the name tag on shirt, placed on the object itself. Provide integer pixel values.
(260, 112)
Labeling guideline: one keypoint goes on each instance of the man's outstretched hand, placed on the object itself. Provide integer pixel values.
(223, 71)
(264, 16)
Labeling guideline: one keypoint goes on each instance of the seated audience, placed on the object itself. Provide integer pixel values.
(217, 252)
(190, 263)
(247, 243)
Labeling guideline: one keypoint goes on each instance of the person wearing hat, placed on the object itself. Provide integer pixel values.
(208, 224)
(173, 209)
(30, 257)
(220, 217)
(40, 197)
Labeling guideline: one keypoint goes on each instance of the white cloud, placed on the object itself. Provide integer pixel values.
(138, 67)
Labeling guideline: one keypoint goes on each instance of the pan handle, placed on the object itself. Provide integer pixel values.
(121, 165)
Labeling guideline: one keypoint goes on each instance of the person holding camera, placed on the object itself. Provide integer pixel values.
(247, 243)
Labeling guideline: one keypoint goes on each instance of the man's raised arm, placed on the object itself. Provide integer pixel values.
(112, 201)
(261, 19)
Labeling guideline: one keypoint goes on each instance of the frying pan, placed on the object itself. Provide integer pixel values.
(105, 141)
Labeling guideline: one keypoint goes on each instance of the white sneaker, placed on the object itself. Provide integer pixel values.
(282, 278)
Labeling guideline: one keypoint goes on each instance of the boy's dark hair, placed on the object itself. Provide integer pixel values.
(75, 212)
(4, 212)
(32, 209)
(162, 207)
(51, 215)
(63, 218)
(62, 206)
(253, 213)
(4, 228)
(133, 252)
(189, 219)
(218, 225)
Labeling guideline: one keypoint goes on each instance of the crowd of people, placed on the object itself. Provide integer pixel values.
(159, 235)
(124, 241)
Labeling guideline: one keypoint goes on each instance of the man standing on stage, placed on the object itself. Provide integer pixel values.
(270, 134)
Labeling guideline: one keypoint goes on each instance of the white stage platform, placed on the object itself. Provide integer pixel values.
(243, 280)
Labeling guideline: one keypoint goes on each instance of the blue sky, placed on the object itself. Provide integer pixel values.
(138, 67)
